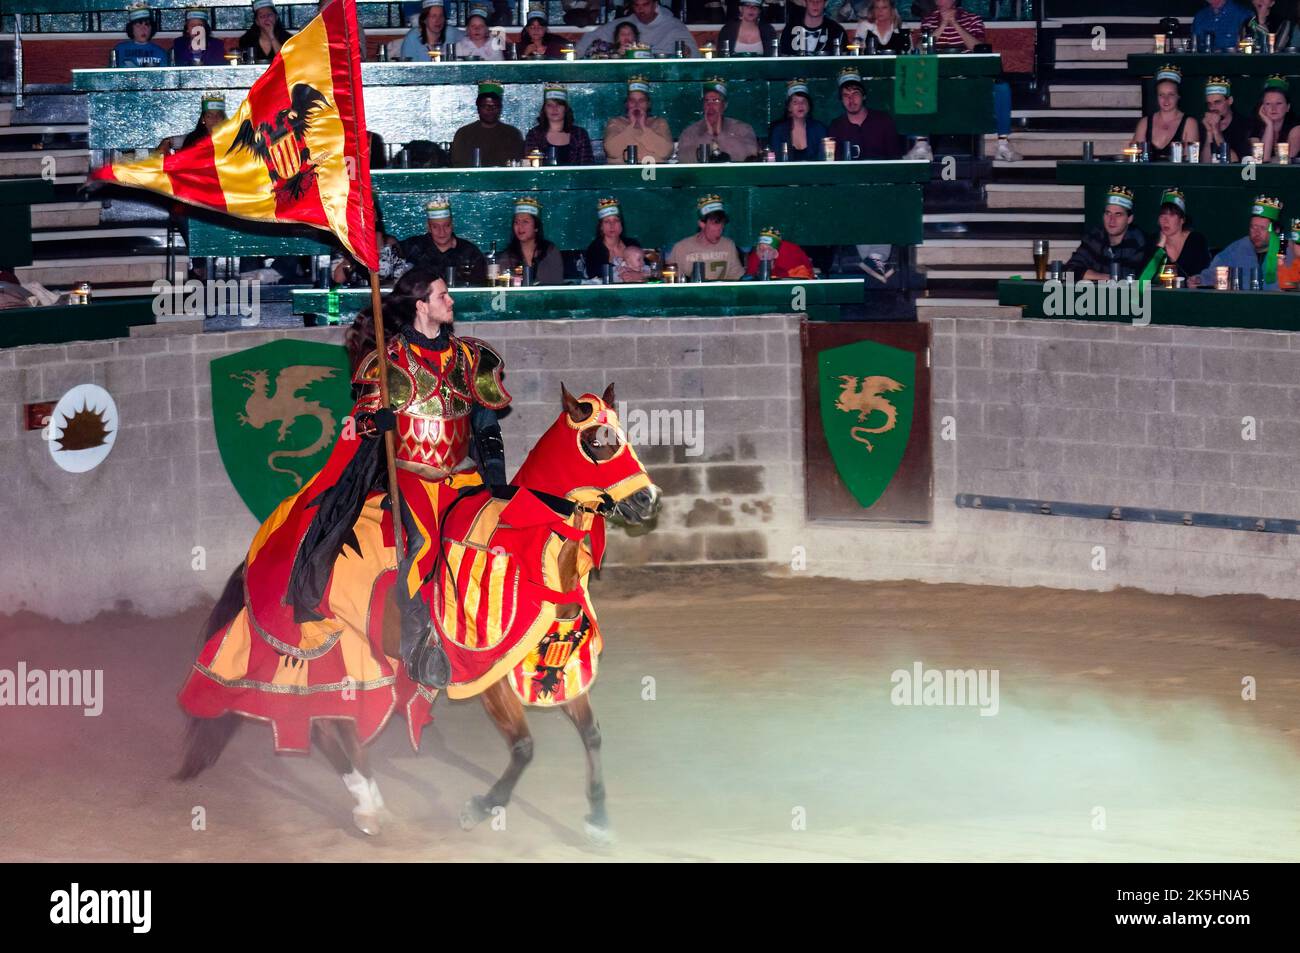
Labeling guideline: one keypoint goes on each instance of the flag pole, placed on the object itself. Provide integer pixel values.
(390, 442)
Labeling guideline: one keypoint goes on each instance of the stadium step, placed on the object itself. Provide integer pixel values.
(1064, 145)
(1017, 195)
(1114, 49)
(1009, 252)
(65, 215)
(65, 272)
(68, 166)
(6, 113)
(944, 306)
(1126, 95)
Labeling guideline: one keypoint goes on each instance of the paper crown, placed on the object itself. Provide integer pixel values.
(262, 4)
(637, 51)
(751, 3)
(536, 13)
(1169, 72)
(1295, 229)
(1174, 197)
(1265, 206)
(426, 4)
(715, 84)
(491, 87)
(1218, 85)
(607, 207)
(638, 84)
(850, 74)
(528, 206)
(708, 204)
(555, 91)
(213, 99)
(476, 11)
(1277, 82)
(138, 11)
(438, 208)
(197, 15)
(770, 236)
(796, 86)
(1120, 195)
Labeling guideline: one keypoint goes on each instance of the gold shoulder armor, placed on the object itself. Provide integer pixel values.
(400, 386)
(488, 367)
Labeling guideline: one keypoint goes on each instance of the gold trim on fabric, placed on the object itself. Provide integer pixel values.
(507, 662)
(381, 682)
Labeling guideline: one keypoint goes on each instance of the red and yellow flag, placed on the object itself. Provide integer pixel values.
(297, 149)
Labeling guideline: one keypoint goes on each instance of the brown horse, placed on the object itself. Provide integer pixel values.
(599, 441)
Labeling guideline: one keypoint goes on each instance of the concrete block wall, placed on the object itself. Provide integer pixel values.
(127, 531)
(1093, 413)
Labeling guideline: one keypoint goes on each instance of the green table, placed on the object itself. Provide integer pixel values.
(17, 196)
(137, 108)
(1200, 308)
(821, 300)
(1218, 199)
(814, 203)
(55, 324)
(1246, 73)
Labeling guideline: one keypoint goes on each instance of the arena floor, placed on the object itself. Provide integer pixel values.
(1121, 734)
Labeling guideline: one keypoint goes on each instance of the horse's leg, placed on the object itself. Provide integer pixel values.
(507, 711)
(338, 741)
(584, 719)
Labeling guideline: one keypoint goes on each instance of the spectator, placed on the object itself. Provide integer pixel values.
(1176, 244)
(537, 39)
(1168, 123)
(956, 29)
(528, 245)
(1221, 124)
(1288, 271)
(1267, 19)
(267, 34)
(1274, 120)
(626, 37)
(748, 34)
(430, 33)
(496, 141)
(735, 140)
(872, 131)
(659, 29)
(883, 22)
(788, 259)
(555, 129)
(1223, 19)
(811, 34)
(798, 129)
(196, 46)
(138, 49)
(212, 113)
(609, 247)
(441, 248)
(634, 270)
(1258, 250)
(718, 253)
(1116, 241)
(346, 270)
(478, 42)
(650, 134)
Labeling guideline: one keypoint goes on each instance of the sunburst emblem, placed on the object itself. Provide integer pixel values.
(85, 429)
(82, 428)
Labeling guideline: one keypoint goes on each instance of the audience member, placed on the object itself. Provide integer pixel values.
(1160, 129)
(440, 248)
(813, 33)
(1257, 252)
(708, 245)
(555, 129)
(478, 43)
(266, 35)
(1221, 124)
(748, 34)
(872, 131)
(496, 141)
(650, 134)
(196, 46)
(883, 22)
(430, 32)
(138, 49)
(1116, 241)
(658, 29)
(528, 245)
(1274, 120)
(1176, 244)
(734, 140)
(1223, 19)
(788, 259)
(798, 130)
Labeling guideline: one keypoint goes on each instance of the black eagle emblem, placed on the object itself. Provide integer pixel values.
(282, 143)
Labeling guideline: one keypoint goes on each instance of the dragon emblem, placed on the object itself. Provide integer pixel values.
(864, 395)
(282, 144)
(285, 407)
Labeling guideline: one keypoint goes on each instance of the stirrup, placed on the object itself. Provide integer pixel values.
(429, 665)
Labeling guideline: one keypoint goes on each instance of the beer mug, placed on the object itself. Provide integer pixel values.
(476, 157)
(630, 155)
(765, 269)
(702, 152)
(1041, 247)
(1176, 151)
(848, 151)
(697, 271)
(552, 155)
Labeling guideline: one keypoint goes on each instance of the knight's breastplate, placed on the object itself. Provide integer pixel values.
(431, 395)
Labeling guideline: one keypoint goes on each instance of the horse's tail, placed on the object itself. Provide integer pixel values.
(206, 738)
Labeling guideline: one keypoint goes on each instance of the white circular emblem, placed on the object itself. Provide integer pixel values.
(82, 428)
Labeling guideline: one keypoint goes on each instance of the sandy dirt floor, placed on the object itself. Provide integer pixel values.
(1121, 734)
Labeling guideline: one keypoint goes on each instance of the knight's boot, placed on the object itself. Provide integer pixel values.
(422, 652)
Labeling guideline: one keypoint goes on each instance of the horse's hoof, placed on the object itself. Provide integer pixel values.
(598, 836)
(474, 812)
(366, 823)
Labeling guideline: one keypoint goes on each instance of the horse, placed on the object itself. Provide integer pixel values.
(566, 489)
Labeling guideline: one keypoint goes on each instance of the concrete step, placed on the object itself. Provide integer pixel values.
(1097, 96)
(952, 307)
(65, 215)
(1114, 49)
(56, 129)
(6, 113)
(1062, 145)
(65, 272)
(1034, 196)
(68, 164)
(1010, 253)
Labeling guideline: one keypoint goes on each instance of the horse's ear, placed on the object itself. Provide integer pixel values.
(571, 404)
(608, 396)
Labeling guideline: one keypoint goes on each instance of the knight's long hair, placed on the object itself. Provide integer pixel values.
(399, 310)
